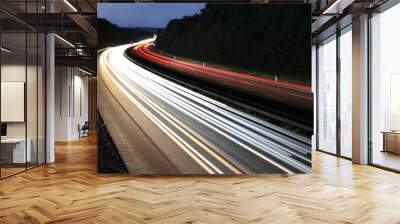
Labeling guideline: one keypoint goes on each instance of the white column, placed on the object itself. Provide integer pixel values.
(360, 90)
(50, 92)
(50, 110)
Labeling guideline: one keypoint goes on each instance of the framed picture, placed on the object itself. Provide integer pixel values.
(204, 89)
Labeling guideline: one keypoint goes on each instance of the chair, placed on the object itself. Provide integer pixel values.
(84, 130)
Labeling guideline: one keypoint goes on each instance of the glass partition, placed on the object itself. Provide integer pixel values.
(22, 77)
(14, 153)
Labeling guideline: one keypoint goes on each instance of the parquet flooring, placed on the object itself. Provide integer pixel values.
(10, 171)
(71, 191)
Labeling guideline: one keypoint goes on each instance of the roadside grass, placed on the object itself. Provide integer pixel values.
(280, 77)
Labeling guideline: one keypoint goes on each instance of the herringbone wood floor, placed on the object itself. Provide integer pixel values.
(70, 191)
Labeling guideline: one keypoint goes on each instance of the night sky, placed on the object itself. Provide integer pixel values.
(155, 15)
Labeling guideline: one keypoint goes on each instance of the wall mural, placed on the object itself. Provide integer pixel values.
(195, 88)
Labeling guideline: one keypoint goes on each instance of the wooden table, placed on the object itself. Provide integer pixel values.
(391, 141)
(14, 150)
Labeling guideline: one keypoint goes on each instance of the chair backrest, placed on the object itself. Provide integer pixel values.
(86, 125)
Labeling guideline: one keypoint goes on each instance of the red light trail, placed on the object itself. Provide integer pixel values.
(292, 93)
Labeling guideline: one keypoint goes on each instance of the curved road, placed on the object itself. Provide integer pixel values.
(160, 127)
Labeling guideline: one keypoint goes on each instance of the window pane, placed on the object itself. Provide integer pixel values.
(346, 94)
(385, 114)
(327, 96)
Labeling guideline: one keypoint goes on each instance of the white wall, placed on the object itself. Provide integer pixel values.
(12, 73)
(33, 127)
(62, 83)
(80, 110)
(13, 100)
(71, 102)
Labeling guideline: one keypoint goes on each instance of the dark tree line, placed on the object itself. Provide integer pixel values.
(268, 39)
(112, 35)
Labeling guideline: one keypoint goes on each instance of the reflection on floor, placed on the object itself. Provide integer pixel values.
(8, 170)
(387, 159)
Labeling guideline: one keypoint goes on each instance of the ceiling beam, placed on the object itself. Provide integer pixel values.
(89, 30)
(81, 61)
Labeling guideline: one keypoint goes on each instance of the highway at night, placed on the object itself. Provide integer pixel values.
(165, 128)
